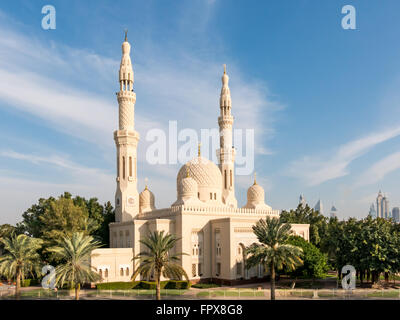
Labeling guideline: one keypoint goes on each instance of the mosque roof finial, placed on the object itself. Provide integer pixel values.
(187, 172)
(145, 181)
(224, 68)
(199, 149)
(255, 176)
(126, 34)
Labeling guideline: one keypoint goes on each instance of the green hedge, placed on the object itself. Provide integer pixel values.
(29, 282)
(205, 285)
(169, 284)
(177, 284)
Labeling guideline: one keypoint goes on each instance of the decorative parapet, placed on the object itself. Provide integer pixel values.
(215, 210)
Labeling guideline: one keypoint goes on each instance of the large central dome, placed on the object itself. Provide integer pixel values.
(206, 174)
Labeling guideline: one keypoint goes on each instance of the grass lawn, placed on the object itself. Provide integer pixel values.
(230, 293)
(385, 294)
(48, 294)
(305, 294)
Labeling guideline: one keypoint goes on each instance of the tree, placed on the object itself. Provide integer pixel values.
(62, 219)
(315, 263)
(158, 260)
(103, 232)
(99, 216)
(273, 252)
(372, 246)
(21, 257)
(6, 230)
(317, 222)
(74, 253)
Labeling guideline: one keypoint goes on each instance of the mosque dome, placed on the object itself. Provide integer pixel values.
(256, 197)
(203, 171)
(146, 200)
(255, 193)
(206, 175)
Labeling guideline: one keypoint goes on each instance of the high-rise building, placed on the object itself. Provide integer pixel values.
(302, 201)
(396, 214)
(382, 206)
(372, 211)
(319, 207)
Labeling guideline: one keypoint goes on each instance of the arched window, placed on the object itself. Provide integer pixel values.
(121, 272)
(118, 166)
(101, 273)
(215, 196)
(225, 179)
(130, 166)
(231, 176)
(239, 268)
(123, 167)
(210, 195)
(127, 271)
(106, 274)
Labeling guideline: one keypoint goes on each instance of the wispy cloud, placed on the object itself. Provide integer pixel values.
(61, 162)
(314, 170)
(379, 170)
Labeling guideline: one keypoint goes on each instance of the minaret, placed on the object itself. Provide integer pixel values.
(126, 140)
(226, 153)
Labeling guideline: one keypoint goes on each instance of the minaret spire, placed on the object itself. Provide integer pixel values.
(126, 35)
(126, 140)
(226, 152)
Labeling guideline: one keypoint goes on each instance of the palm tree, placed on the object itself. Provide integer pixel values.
(74, 254)
(21, 257)
(158, 260)
(272, 252)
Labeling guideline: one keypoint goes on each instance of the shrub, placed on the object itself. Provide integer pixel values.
(29, 282)
(177, 284)
(150, 285)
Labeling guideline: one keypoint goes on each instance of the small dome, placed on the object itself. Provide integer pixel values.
(255, 193)
(188, 187)
(146, 199)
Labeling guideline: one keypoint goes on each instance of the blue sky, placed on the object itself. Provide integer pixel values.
(324, 102)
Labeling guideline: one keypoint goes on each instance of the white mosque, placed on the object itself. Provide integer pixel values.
(213, 230)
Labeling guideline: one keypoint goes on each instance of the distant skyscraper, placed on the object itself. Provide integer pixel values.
(382, 206)
(319, 207)
(334, 212)
(372, 211)
(396, 214)
(302, 201)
